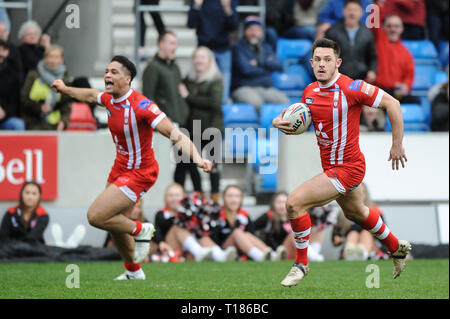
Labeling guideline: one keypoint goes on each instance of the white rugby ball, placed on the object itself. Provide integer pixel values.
(299, 115)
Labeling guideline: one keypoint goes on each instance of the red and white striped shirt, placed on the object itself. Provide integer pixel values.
(131, 120)
(336, 111)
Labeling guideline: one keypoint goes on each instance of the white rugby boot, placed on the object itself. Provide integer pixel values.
(297, 272)
(230, 253)
(399, 257)
(132, 275)
(142, 240)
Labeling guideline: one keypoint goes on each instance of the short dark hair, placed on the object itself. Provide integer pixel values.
(163, 34)
(127, 64)
(326, 43)
(353, 1)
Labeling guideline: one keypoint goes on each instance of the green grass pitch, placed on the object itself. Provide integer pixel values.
(241, 280)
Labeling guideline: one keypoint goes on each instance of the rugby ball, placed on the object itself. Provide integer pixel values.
(299, 115)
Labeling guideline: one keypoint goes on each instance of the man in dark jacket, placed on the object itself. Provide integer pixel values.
(162, 78)
(359, 57)
(253, 63)
(9, 91)
(214, 20)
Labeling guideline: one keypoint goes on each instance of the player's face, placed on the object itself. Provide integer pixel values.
(30, 195)
(232, 199)
(280, 205)
(173, 197)
(117, 81)
(325, 64)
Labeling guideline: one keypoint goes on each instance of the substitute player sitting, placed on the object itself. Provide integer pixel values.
(335, 102)
(131, 119)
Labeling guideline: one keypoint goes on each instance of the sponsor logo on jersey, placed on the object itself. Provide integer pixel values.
(355, 85)
(316, 90)
(322, 137)
(309, 100)
(368, 89)
(334, 90)
(125, 106)
(144, 104)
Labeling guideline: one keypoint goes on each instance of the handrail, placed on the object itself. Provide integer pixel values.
(19, 5)
(261, 9)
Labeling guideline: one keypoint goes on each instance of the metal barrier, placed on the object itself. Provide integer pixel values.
(28, 4)
(261, 10)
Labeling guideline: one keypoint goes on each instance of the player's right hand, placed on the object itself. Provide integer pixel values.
(58, 86)
(283, 126)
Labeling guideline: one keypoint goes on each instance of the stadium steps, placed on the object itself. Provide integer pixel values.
(124, 32)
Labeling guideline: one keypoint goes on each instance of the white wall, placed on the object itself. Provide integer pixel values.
(425, 177)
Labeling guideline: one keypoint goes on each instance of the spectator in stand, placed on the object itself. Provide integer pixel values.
(440, 110)
(32, 45)
(4, 18)
(437, 21)
(360, 244)
(162, 79)
(253, 63)
(28, 220)
(9, 91)
(411, 12)
(235, 228)
(43, 108)
(171, 237)
(303, 19)
(14, 53)
(372, 120)
(203, 93)
(395, 67)
(274, 229)
(358, 53)
(157, 21)
(332, 12)
(214, 20)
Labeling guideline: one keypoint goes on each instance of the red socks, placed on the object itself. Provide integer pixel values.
(132, 266)
(137, 229)
(378, 228)
(301, 227)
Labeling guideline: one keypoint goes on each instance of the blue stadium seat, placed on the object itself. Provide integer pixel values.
(289, 81)
(240, 115)
(290, 51)
(425, 76)
(239, 141)
(423, 51)
(266, 153)
(269, 112)
(414, 118)
(443, 53)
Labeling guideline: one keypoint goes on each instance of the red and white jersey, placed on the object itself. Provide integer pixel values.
(131, 120)
(336, 111)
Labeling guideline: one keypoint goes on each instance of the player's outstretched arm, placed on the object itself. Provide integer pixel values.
(182, 142)
(80, 94)
(283, 126)
(394, 112)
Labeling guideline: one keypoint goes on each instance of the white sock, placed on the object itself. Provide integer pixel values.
(316, 246)
(191, 245)
(218, 254)
(256, 254)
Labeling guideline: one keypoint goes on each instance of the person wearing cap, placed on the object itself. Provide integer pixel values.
(253, 62)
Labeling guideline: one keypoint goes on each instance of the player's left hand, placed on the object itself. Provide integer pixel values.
(397, 155)
(206, 165)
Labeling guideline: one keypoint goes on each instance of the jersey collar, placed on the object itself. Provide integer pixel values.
(330, 83)
(123, 98)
